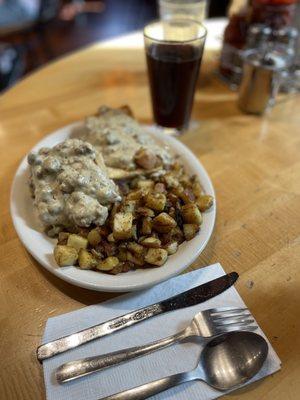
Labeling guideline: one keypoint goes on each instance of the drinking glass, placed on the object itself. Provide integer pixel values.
(192, 9)
(174, 50)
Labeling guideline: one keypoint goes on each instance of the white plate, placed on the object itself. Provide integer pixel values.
(41, 247)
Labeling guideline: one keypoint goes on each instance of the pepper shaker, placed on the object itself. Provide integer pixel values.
(261, 81)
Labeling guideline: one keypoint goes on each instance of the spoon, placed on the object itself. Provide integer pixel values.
(226, 362)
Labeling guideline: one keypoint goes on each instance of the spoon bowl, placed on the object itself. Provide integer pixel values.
(232, 359)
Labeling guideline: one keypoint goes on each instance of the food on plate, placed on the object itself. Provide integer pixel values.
(70, 186)
(155, 216)
(119, 225)
(123, 142)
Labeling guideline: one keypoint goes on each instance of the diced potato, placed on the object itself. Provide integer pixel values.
(94, 237)
(187, 196)
(65, 255)
(146, 159)
(122, 226)
(171, 181)
(204, 202)
(156, 256)
(111, 238)
(122, 254)
(190, 231)
(135, 248)
(134, 232)
(191, 214)
(151, 242)
(146, 227)
(135, 259)
(63, 237)
(146, 184)
(145, 212)
(78, 242)
(155, 201)
(86, 260)
(117, 270)
(197, 189)
(129, 206)
(108, 264)
(172, 248)
(163, 223)
(135, 195)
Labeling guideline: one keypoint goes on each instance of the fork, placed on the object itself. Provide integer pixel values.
(205, 325)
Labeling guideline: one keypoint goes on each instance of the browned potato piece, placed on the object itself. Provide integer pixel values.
(129, 206)
(190, 231)
(108, 264)
(146, 227)
(146, 184)
(78, 242)
(155, 201)
(135, 259)
(204, 202)
(163, 223)
(197, 189)
(191, 214)
(135, 195)
(63, 237)
(160, 187)
(156, 256)
(171, 181)
(172, 248)
(135, 248)
(111, 238)
(151, 242)
(122, 226)
(86, 260)
(65, 255)
(146, 159)
(145, 212)
(122, 254)
(94, 237)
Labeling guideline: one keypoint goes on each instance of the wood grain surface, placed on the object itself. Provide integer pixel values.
(254, 164)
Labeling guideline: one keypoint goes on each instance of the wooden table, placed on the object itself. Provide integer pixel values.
(254, 164)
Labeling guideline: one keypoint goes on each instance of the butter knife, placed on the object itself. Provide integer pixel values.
(191, 297)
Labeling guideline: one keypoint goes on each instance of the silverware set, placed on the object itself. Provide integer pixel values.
(226, 335)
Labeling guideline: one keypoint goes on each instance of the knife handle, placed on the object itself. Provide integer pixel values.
(75, 369)
(65, 343)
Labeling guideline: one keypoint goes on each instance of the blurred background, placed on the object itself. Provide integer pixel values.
(34, 32)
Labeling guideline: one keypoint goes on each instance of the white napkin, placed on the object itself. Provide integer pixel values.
(177, 358)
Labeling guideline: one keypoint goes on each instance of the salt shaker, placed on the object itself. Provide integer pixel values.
(261, 80)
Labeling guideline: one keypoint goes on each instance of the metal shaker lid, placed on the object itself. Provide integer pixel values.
(271, 60)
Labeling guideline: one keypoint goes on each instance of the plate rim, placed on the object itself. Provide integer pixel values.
(113, 288)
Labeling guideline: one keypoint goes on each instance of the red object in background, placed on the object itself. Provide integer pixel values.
(274, 13)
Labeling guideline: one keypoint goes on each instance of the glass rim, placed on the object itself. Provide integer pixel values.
(183, 5)
(175, 20)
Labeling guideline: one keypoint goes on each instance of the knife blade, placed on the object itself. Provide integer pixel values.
(191, 297)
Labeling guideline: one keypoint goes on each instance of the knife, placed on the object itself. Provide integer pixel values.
(191, 297)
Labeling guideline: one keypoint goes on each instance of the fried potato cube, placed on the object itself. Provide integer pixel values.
(128, 206)
(190, 231)
(197, 189)
(160, 187)
(145, 212)
(187, 196)
(78, 242)
(145, 159)
(156, 256)
(135, 248)
(135, 259)
(163, 223)
(108, 264)
(122, 226)
(110, 238)
(191, 214)
(146, 184)
(155, 201)
(146, 227)
(172, 248)
(151, 242)
(135, 195)
(65, 255)
(171, 181)
(204, 202)
(94, 237)
(122, 254)
(86, 260)
(63, 237)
